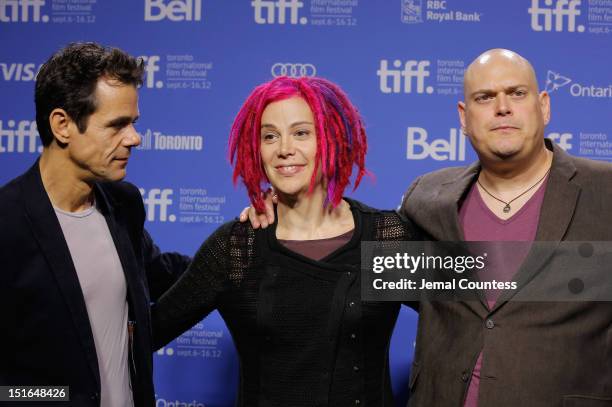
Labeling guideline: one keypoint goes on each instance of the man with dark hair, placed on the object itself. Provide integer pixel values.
(78, 268)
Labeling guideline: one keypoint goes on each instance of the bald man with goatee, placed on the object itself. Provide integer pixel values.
(499, 352)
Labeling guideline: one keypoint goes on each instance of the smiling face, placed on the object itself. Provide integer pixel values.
(101, 152)
(289, 146)
(503, 114)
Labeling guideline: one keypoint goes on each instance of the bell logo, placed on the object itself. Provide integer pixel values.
(402, 79)
(174, 10)
(20, 11)
(19, 137)
(291, 7)
(158, 198)
(151, 66)
(561, 9)
(562, 140)
(418, 148)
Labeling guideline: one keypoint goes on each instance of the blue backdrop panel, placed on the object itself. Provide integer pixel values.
(400, 61)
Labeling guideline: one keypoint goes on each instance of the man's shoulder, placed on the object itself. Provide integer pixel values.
(443, 175)
(588, 167)
(10, 193)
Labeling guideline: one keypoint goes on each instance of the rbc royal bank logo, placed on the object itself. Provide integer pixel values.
(278, 11)
(19, 137)
(157, 202)
(151, 67)
(562, 140)
(404, 77)
(420, 147)
(412, 11)
(173, 10)
(22, 11)
(18, 72)
(555, 14)
(293, 70)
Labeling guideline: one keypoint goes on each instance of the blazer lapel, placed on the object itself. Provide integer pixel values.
(450, 194)
(112, 211)
(557, 210)
(449, 197)
(48, 233)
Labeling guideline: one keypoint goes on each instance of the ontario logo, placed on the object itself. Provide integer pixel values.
(556, 81)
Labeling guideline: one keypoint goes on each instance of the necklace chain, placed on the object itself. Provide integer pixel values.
(507, 208)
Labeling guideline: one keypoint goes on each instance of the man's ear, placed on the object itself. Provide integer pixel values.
(544, 100)
(60, 122)
(461, 111)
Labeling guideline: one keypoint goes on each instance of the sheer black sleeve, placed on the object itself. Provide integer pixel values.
(218, 265)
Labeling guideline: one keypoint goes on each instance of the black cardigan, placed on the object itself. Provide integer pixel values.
(303, 335)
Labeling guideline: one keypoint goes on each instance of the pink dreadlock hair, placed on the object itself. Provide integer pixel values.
(341, 138)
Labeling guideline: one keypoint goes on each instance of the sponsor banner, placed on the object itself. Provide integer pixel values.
(564, 84)
(574, 16)
(183, 205)
(441, 76)
(438, 11)
(176, 72)
(48, 11)
(172, 10)
(338, 13)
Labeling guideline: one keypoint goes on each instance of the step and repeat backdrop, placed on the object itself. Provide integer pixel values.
(400, 61)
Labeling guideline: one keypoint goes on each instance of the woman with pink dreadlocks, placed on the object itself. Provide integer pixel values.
(290, 294)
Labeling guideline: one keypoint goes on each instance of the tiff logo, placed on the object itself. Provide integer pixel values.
(19, 11)
(284, 7)
(174, 10)
(561, 9)
(402, 79)
(419, 148)
(562, 140)
(151, 66)
(157, 201)
(19, 137)
(18, 71)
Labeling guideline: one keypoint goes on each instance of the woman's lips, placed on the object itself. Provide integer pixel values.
(288, 170)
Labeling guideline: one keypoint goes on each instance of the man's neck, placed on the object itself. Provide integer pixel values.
(65, 189)
(508, 179)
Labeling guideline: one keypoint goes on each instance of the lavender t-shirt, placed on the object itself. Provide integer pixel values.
(479, 223)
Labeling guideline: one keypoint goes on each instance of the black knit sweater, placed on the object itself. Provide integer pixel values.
(303, 335)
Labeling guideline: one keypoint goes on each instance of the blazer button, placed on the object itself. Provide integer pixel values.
(95, 396)
(490, 324)
(465, 376)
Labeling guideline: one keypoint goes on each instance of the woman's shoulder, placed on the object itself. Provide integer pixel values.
(388, 223)
(230, 239)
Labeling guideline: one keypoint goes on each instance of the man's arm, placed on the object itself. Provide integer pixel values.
(163, 269)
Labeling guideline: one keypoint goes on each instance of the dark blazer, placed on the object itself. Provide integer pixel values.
(46, 336)
(535, 353)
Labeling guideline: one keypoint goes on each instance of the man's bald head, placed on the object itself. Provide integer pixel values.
(496, 59)
(503, 114)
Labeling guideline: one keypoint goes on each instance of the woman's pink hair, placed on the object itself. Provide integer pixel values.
(341, 138)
